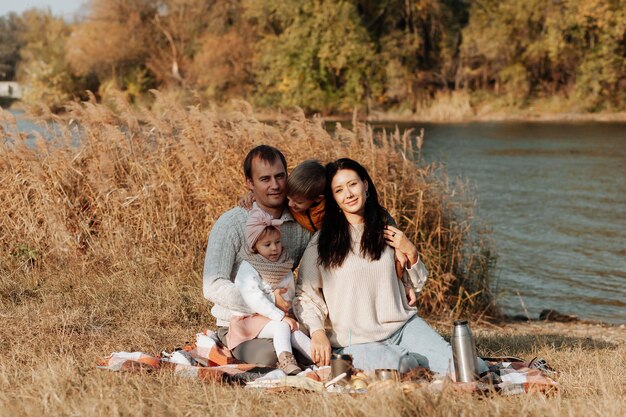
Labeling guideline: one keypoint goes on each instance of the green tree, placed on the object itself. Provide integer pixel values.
(418, 42)
(599, 28)
(540, 48)
(314, 54)
(497, 36)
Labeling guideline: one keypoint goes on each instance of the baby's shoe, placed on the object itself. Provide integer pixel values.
(287, 363)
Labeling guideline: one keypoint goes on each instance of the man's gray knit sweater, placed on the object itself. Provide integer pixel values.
(224, 254)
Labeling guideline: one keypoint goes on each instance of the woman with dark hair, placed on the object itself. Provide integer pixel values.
(348, 295)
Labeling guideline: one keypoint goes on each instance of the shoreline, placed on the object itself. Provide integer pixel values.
(605, 332)
(508, 326)
(514, 116)
(619, 117)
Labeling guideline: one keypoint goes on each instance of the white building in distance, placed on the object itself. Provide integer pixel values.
(11, 89)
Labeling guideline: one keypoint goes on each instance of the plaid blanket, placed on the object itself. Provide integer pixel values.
(208, 360)
(510, 376)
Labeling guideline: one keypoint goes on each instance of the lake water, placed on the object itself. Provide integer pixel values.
(554, 197)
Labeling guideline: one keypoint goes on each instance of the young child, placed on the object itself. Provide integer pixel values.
(305, 194)
(265, 273)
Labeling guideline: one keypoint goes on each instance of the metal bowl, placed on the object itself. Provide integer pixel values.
(387, 374)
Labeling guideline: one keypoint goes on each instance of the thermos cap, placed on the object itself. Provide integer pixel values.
(460, 322)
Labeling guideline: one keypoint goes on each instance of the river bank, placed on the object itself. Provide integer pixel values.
(396, 117)
(603, 333)
(461, 107)
(486, 112)
(587, 331)
(525, 116)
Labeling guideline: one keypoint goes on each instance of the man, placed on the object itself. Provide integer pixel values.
(265, 171)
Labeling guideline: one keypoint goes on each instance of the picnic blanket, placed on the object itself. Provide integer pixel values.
(208, 360)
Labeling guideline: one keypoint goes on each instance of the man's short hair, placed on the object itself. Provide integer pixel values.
(307, 180)
(265, 153)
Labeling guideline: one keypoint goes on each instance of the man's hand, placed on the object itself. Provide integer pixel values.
(411, 297)
(320, 348)
(401, 262)
(246, 201)
(280, 302)
(293, 324)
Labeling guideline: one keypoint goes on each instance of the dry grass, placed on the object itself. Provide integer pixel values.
(51, 340)
(452, 106)
(102, 243)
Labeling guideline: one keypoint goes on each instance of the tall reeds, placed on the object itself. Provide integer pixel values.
(137, 190)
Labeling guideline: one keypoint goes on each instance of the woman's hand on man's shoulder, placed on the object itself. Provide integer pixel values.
(398, 240)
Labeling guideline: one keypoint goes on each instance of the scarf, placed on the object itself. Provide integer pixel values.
(271, 273)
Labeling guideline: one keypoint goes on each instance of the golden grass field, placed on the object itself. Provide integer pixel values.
(103, 239)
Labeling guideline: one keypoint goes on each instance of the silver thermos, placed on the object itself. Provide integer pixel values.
(464, 352)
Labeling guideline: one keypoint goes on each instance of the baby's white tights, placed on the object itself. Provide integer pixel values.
(284, 339)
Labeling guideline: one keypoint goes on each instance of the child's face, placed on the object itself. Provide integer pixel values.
(299, 204)
(269, 245)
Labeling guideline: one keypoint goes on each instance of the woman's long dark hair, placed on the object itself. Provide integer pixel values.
(335, 239)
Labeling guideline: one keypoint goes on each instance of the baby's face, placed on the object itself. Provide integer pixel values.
(299, 204)
(269, 245)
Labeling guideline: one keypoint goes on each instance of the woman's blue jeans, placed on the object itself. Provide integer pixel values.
(414, 344)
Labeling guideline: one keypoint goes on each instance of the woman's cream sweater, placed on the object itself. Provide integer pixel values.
(359, 302)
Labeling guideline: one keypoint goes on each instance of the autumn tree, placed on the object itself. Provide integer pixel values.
(222, 67)
(43, 67)
(138, 44)
(114, 41)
